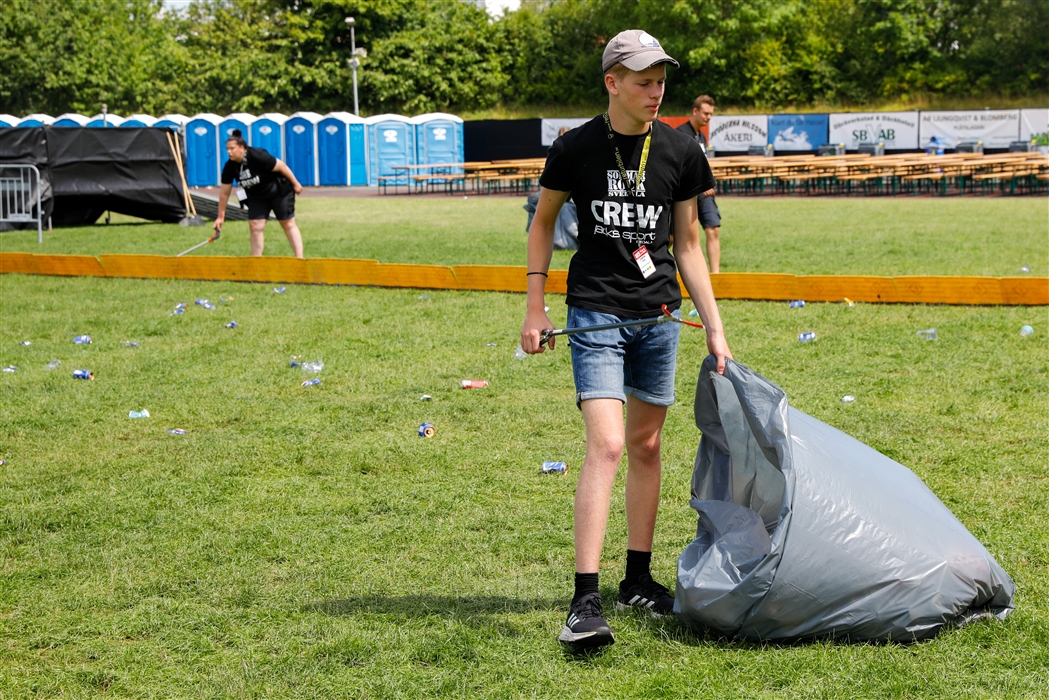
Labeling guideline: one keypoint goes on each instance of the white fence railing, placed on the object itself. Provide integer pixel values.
(20, 196)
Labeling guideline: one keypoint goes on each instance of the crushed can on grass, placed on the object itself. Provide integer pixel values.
(311, 382)
(176, 431)
(279, 290)
(473, 384)
(129, 343)
(83, 374)
(231, 324)
(82, 339)
(806, 337)
(797, 304)
(849, 302)
(427, 430)
(26, 342)
(555, 467)
(11, 368)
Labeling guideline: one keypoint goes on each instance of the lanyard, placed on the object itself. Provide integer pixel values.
(619, 158)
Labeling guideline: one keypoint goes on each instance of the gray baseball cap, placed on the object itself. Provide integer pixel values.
(636, 49)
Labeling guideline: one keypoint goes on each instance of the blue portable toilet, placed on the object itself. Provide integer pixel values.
(300, 146)
(138, 120)
(71, 119)
(438, 139)
(7, 120)
(237, 120)
(341, 153)
(110, 121)
(172, 121)
(268, 132)
(202, 150)
(36, 120)
(391, 141)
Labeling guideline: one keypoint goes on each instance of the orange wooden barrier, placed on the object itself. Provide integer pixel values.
(1025, 291)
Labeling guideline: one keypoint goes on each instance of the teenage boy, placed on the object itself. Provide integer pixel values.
(635, 181)
(709, 216)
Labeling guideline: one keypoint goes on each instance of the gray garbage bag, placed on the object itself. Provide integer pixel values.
(566, 230)
(805, 532)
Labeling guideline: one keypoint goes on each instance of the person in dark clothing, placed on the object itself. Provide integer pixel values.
(270, 186)
(709, 215)
(635, 181)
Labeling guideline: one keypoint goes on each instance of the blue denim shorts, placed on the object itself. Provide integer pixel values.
(638, 361)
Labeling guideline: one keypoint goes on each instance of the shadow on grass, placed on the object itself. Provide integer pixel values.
(459, 607)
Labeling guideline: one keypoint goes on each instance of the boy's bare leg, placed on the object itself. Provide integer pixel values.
(603, 419)
(258, 239)
(291, 230)
(644, 426)
(714, 248)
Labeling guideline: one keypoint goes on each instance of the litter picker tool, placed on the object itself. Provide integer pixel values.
(191, 218)
(667, 316)
(214, 237)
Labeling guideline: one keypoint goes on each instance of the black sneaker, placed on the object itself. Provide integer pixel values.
(586, 628)
(647, 594)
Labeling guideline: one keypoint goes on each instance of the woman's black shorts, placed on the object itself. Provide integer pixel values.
(282, 206)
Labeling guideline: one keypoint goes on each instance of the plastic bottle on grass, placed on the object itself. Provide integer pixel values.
(315, 366)
(144, 413)
(928, 334)
(53, 364)
(520, 354)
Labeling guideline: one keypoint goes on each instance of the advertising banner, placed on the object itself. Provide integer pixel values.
(798, 132)
(897, 130)
(996, 128)
(1033, 122)
(738, 132)
(552, 126)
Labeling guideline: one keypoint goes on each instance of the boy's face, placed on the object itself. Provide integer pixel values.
(640, 94)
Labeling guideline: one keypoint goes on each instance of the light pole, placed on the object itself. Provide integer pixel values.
(354, 62)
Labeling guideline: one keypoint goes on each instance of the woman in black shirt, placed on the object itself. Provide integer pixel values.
(270, 186)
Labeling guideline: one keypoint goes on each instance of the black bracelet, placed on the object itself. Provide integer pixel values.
(537, 273)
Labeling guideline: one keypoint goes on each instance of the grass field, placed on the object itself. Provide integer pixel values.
(304, 542)
(889, 236)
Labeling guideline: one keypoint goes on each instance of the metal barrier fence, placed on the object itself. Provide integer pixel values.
(20, 196)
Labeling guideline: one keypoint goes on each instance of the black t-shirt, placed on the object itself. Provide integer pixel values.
(699, 136)
(255, 174)
(603, 275)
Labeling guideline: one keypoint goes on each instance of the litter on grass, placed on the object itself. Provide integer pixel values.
(426, 430)
(806, 337)
(425, 397)
(1025, 268)
(797, 304)
(279, 290)
(53, 364)
(231, 324)
(473, 384)
(807, 533)
(849, 302)
(82, 339)
(928, 334)
(315, 366)
(11, 368)
(83, 374)
(144, 413)
(520, 354)
(225, 300)
(311, 382)
(848, 399)
(1026, 331)
(555, 467)
(176, 431)
(489, 345)
(129, 343)
(26, 342)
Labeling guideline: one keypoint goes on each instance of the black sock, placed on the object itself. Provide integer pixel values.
(584, 584)
(637, 565)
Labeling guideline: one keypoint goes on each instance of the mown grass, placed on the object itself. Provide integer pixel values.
(877, 236)
(304, 542)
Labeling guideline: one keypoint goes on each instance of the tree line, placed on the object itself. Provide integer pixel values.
(426, 55)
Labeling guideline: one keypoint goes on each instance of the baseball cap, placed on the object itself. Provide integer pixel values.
(636, 49)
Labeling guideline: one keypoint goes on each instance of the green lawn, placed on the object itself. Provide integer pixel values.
(876, 236)
(304, 542)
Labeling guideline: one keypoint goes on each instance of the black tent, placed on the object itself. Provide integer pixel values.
(85, 172)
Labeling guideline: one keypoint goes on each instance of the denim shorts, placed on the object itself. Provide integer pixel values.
(638, 361)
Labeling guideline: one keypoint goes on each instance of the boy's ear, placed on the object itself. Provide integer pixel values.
(611, 85)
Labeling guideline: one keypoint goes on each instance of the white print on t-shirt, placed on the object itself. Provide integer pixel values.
(246, 179)
(626, 214)
(630, 236)
(615, 183)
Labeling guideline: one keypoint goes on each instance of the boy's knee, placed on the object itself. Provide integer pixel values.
(714, 233)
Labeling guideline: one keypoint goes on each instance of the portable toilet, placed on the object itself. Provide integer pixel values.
(7, 120)
(109, 121)
(267, 132)
(300, 146)
(36, 120)
(391, 141)
(138, 120)
(341, 152)
(237, 120)
(438, 139)
(71, 119)
(172, 121)
(202, 150)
